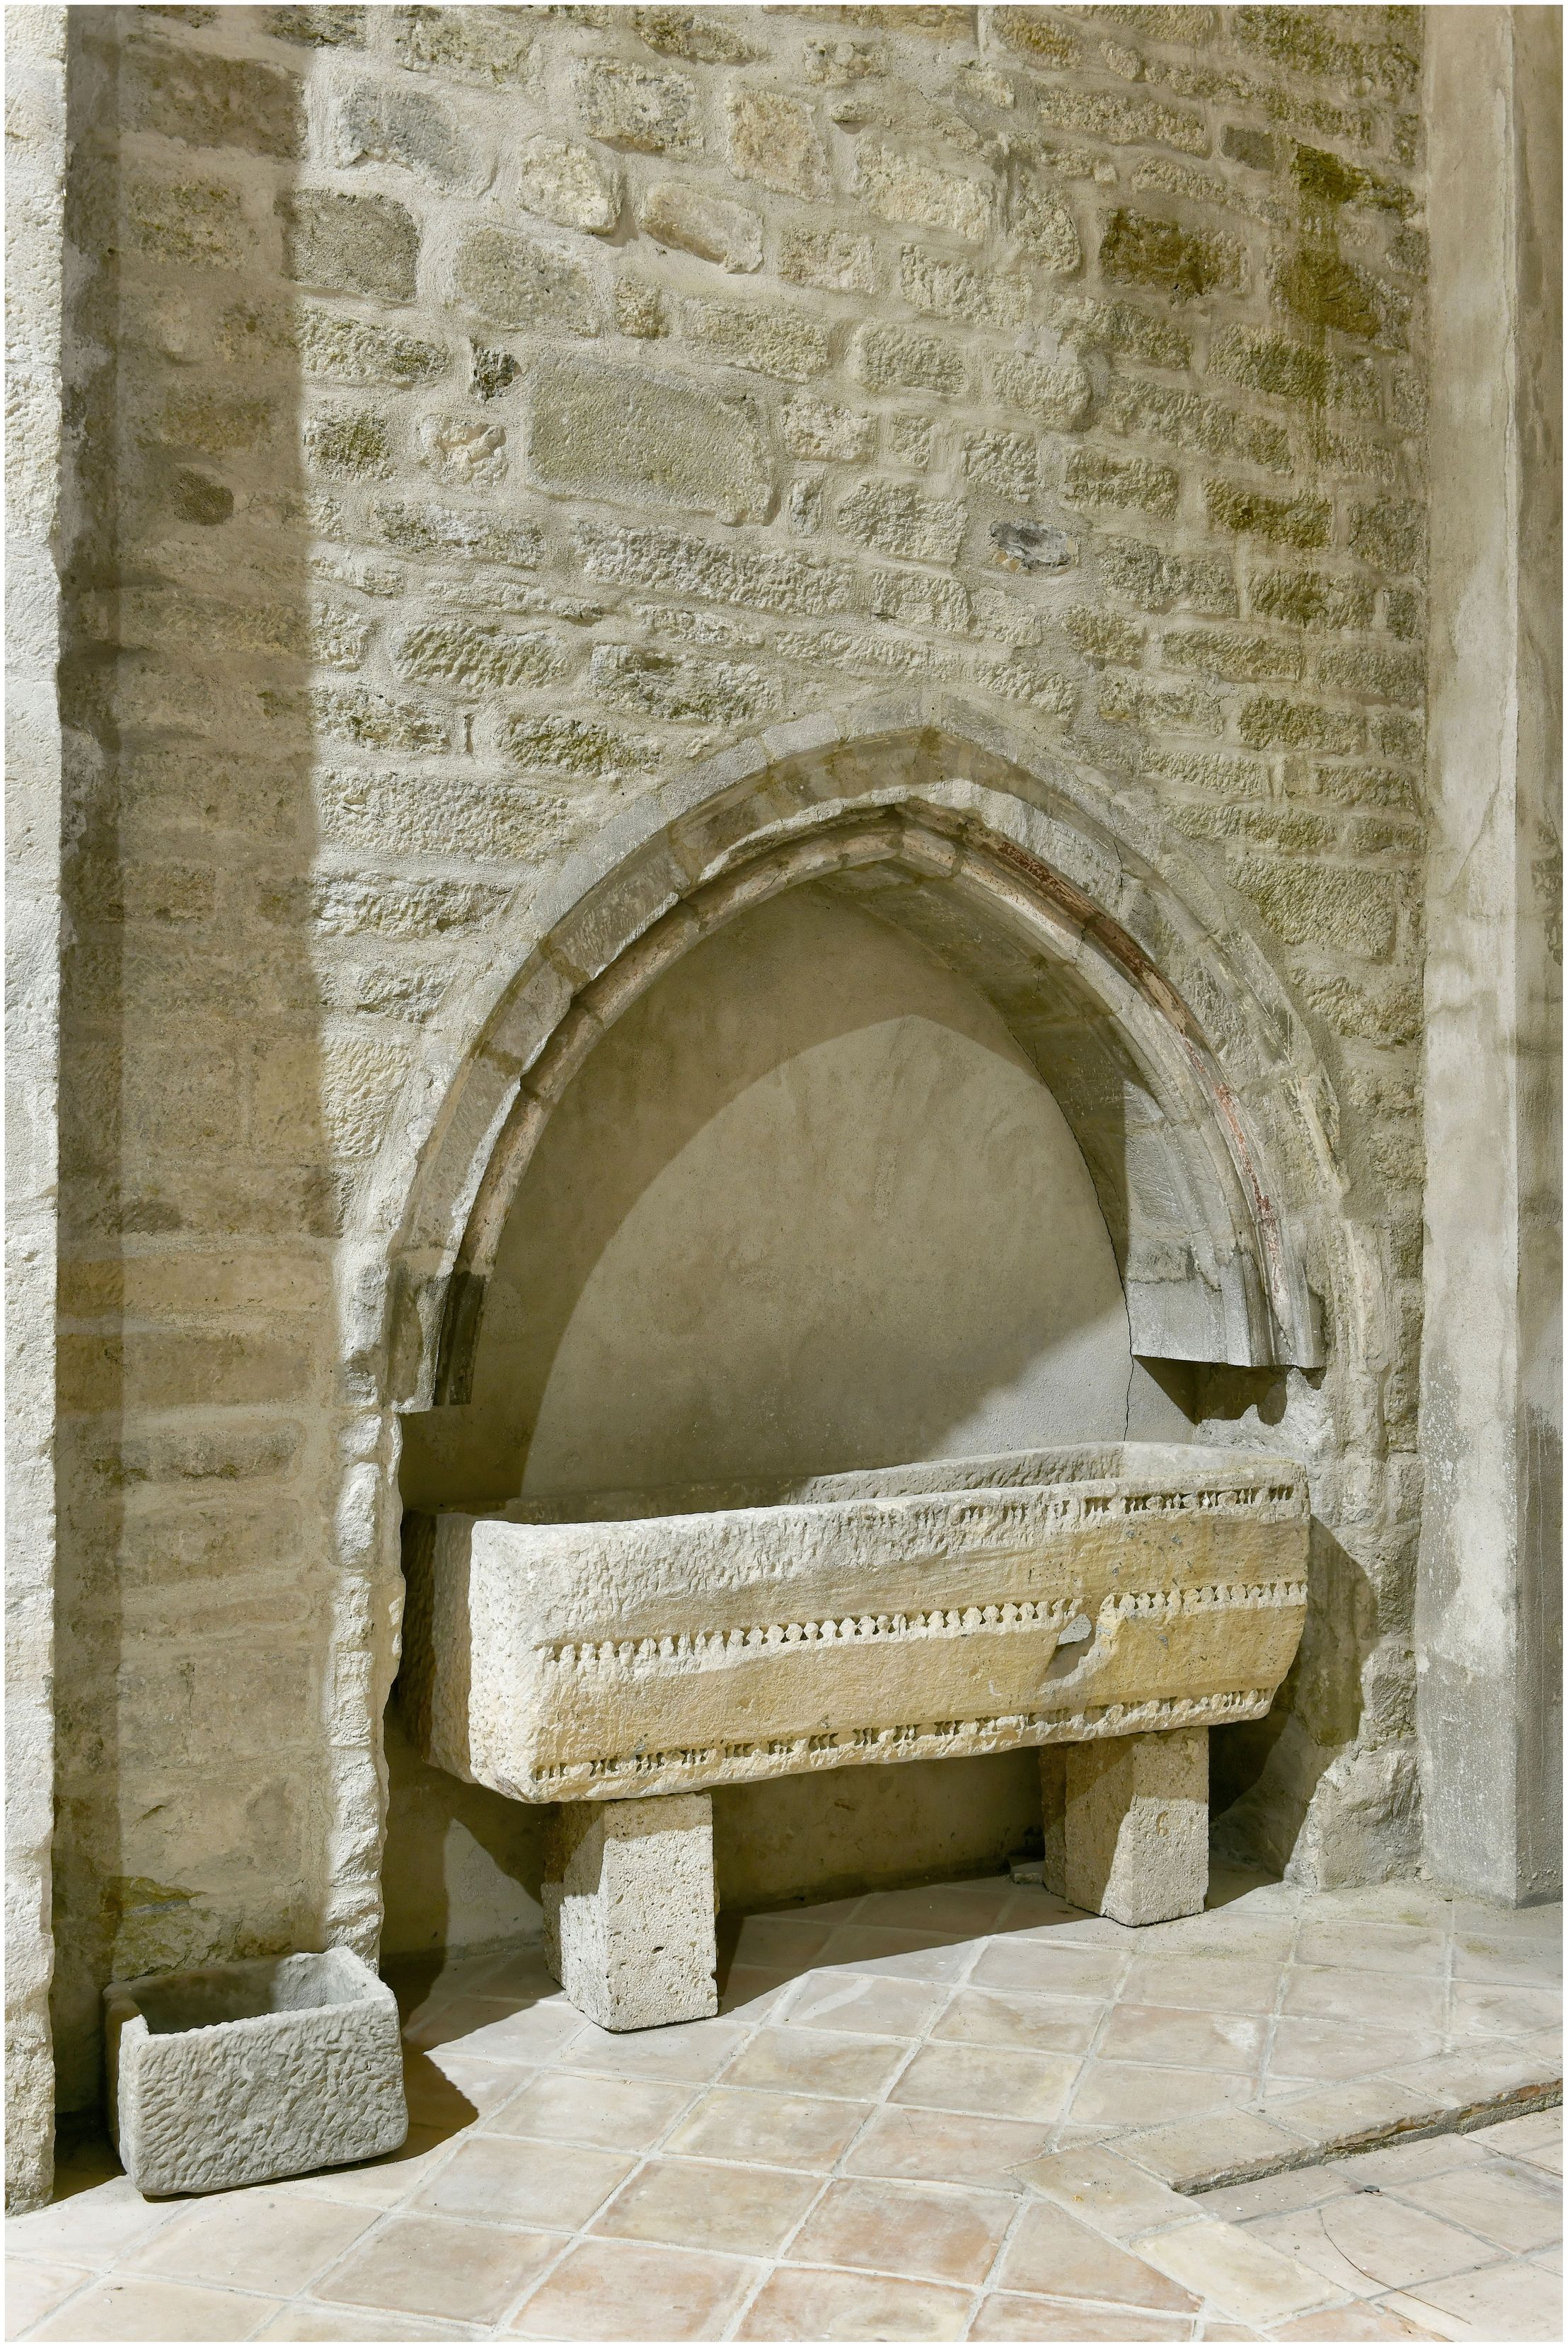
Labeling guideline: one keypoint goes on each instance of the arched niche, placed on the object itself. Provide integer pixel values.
(1208, 1249)
(808, 1204)
(1123, 972)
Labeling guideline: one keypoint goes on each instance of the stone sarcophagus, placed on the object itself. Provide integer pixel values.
(607, 1653)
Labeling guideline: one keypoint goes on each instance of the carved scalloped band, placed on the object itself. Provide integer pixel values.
(642, 1772)
(952, 1622)
(1142, 1605)
(1021, 1613)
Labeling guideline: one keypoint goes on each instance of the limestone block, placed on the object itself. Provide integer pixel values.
(350, 244)
(512, 281)
(896, 518)
(902, 358)
(647, 438)
(1056, 393)
(379, 123)
(775, 140)
(1134, 1825)
(1042, 223)
(656, 1643)
(951, 289)
(208, 101)
(567, 183)
(655, 113)
(488, 46)
(672, 213)
(814, 428)
(829, 257)
(462, 451)
(628, 1905)
(241, 2072)
(765, 336)
(911, 191)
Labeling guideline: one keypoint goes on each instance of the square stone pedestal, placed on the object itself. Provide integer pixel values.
(629, 1903)
(1127, 1824)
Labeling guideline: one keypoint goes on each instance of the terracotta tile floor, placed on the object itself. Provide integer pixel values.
(837, 2155)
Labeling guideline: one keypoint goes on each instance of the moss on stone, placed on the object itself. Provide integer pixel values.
(1328, 291)
(1271, 363)
(1284, 521)
(1180, 262)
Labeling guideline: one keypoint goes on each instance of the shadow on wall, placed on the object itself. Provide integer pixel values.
(1264, 1772)
(201, 1185)
(809, 1207)
(462, 1865)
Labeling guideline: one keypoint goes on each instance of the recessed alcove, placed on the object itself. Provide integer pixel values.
(809, 1204)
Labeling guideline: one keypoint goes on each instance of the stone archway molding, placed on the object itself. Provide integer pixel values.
(1178, 1058)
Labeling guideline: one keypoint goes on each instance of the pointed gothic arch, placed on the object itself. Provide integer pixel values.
(1124, 970)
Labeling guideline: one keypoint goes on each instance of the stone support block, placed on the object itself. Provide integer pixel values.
(1127, 1822)
(629, 1902)
(239, 2073)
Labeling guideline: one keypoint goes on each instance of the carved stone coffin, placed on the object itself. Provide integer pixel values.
(631, 1645)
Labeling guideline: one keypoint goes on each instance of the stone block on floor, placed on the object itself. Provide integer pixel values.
(239, 2073)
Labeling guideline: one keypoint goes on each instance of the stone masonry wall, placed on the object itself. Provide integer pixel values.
(484, 414)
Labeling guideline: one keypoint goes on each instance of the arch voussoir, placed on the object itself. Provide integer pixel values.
(920, 799)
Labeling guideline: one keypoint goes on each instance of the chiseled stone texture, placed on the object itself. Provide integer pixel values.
(1048, 361)
(245, 2072)
(629, 1910)
(1136, 1826)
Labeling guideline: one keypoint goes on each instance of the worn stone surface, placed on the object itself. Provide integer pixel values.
(242, 2073)
(641, 438)
(350, 244)
(1134, 1825)
(629, 1909)
(36, 500)
(379, 123)
(511, 280)
(908, 1615)
(1489, 1607)
(566, 182)
(775, 140)
(652, 113)
(710, 226)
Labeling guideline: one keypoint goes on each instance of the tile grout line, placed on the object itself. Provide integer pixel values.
(1091, 2053)
(517, 2305)
(582, 2234)
(994, 2269)
(781, 1997)
(1281, 1991)
(775, 2010)
(835, 2174)
(447, 2152)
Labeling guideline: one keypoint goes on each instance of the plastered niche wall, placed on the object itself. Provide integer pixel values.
(479, 419)
(808, 1206)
